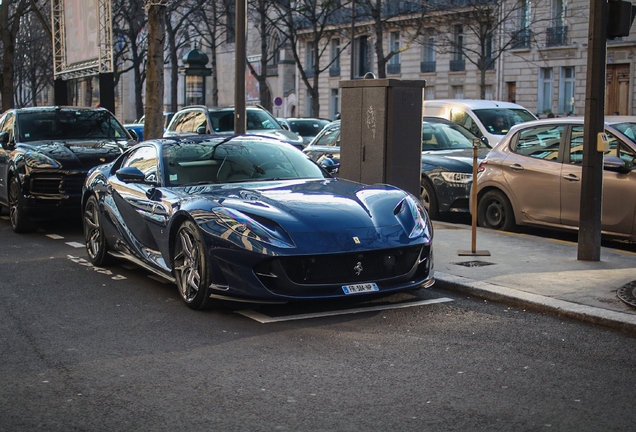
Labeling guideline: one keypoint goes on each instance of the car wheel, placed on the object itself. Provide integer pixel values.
(190, 267)
(96, 246)
(19, 220)
(429, 199)
(494, 211)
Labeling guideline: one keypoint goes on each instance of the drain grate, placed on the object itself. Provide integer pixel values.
(474, 263)
(627, 293)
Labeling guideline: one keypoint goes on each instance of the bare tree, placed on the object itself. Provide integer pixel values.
(216, 24)
(181, 18)
(153, 126)
(316, 23)
(34, 59)
(481, 31)
(404, 15)
(11, 12)
(131, 36)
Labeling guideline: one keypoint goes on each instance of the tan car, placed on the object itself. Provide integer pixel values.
(533, 177)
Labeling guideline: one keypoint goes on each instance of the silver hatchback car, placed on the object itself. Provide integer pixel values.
(533, 177)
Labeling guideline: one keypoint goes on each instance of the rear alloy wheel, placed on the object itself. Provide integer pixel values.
(19, 220)
(96, 246)
(190, 267)
(429, 199)
(495, 212)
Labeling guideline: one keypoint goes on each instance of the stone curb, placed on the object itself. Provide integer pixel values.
(616, 320)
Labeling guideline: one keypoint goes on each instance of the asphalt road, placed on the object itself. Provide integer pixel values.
(113, 349)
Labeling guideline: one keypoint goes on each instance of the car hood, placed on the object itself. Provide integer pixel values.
(453, 159)
(322, 215)
(73, 154)
(280, 134)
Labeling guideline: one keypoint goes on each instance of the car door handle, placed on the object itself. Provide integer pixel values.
(571, 177)
(516, 167)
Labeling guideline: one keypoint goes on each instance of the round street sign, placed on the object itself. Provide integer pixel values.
(278, 101)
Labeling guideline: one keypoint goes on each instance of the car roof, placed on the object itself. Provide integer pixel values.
(473, 103)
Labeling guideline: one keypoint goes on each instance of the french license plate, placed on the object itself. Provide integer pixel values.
(360, 288)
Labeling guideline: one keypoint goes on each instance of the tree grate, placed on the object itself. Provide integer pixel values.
(474, 263)
(627, 293)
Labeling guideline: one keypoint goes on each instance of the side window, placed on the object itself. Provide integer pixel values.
(461, 117)
(329, 138)
(184, 122)
(144, 158)
(541, 142)
(7, 125)
(616, 148)
(199, 119)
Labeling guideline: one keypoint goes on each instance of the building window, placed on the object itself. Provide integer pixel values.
(458, 92)
(428, 51)
(334, 103)
(393, 67)
(488, 62)
(557, 34)
(457, 61)
(362, 56)
(522, 35)
(566, 90)
(334, 69)
(230, 23)
(544, 100)
(309, 59)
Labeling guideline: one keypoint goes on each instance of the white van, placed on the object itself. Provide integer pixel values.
(484, 118)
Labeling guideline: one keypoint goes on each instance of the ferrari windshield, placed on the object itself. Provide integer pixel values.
(238, 159)
(69, 124)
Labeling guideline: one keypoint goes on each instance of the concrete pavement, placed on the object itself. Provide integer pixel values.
(537, 273)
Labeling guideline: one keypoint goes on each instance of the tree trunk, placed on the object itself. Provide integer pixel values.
(153, 126)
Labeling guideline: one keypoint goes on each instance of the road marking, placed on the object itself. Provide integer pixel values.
(55, 236)
(76, 245)
(264, 319)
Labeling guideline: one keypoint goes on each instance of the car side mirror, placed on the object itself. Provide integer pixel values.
(484, 141)
(284, 126)
(616, 164)
(201, 130)
(133, 134)
(131, 175)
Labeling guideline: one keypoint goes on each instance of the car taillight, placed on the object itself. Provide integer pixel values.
(482, 166)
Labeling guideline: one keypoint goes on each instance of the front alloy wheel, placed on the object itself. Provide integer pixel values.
(96, 246)
(19, 220)
(190, 267)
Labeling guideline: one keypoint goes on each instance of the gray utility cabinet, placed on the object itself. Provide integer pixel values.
(381, 132)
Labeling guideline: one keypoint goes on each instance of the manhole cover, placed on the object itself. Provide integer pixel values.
(627, 293)
(474, 263)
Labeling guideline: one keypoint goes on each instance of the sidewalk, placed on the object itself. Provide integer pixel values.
(536, 273)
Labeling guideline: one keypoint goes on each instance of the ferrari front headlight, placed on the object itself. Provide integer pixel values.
(413, 218)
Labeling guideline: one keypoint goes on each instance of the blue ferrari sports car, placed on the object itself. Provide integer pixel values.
(251, 218)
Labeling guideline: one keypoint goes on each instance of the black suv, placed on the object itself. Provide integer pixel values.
(45, 155)
(220, 121)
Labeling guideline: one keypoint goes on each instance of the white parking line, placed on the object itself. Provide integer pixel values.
(264, 319)
(76, 245)
(55, 236)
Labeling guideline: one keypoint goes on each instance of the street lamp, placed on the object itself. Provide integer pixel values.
(194, 70)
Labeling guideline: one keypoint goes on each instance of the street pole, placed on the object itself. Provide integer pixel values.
(589, 244)
(240, 123)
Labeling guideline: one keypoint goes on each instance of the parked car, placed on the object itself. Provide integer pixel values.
(533, 177)
(45, 155)
(167, 116)
(307, 128)
(251, 218)
(447, 162)
(484, 118)
(196, 120)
